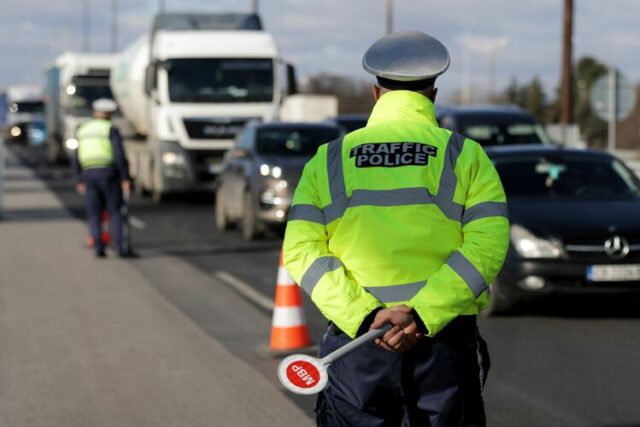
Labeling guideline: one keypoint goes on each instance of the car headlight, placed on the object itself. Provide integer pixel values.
(273, 171)
(16, 131)
(71, 144)
(530, 246)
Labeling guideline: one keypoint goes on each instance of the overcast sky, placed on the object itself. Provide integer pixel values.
(331, 35)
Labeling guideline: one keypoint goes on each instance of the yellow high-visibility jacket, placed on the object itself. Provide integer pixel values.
(399, 212)
(94, 145)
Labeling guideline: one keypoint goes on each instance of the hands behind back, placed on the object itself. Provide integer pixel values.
(404, 335)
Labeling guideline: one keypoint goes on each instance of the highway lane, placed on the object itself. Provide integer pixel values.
(571, 361)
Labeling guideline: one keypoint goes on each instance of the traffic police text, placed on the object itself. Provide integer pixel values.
(393, 154)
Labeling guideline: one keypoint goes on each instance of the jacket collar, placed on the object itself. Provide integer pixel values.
(403, 105)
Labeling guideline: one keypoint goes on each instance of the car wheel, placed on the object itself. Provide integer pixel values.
(498, 304)
(251, 228)
(222, 222)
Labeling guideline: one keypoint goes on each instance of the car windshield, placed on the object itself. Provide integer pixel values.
(27, 107)
(508, 133)
(220, 80)
(82, 96)
(568, 178)
(293, 141)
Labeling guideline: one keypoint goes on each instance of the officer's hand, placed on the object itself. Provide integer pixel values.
(411, 333)
(126, 185)
(81, 187)
(393, 339)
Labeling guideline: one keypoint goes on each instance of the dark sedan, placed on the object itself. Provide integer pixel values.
(493, 125)
(575, 224)
(260, 174)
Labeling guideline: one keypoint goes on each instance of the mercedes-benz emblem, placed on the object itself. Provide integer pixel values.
(616, 247)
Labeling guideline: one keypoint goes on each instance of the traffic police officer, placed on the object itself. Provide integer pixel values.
(401, 222)
(102, 173)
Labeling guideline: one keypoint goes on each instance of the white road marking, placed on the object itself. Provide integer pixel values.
(245, 290)
(137, 223)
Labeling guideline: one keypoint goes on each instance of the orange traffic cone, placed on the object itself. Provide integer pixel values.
(105, 237)
(289, 325)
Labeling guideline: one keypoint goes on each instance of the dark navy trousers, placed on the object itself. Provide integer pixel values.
(104, 193)
(437, 383)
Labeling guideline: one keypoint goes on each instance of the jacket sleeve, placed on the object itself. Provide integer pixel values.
(119, 158)
(309, 261)
(463, 280)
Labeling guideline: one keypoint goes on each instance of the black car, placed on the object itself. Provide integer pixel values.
(575, 223)
(260, 174)
(349, 122)
(493, 125)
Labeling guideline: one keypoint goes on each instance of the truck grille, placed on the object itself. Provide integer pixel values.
(214, 129)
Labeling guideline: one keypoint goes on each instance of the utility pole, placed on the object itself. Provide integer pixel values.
(566, 102)
(86, 26)
(389, 16)
(254, 6)
(114, 25)
(161, 6)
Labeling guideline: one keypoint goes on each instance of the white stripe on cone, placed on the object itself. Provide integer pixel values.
(284, 278)
(288, 317)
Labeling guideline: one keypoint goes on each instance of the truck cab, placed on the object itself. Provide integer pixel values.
(74, 81)
(202, 78)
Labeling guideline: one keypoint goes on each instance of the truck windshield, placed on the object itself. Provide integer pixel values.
(220, 80)
(27, 107)
(82, 95)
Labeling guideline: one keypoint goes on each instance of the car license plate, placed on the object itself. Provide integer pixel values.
(613, 273)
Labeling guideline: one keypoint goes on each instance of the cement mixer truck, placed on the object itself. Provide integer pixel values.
(187, 88)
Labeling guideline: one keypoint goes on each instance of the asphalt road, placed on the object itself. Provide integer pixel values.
(561, 362)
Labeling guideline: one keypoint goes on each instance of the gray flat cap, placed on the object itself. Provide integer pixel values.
(406, 56)
(104, 105)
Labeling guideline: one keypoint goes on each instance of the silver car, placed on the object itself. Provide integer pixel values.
(260, 174)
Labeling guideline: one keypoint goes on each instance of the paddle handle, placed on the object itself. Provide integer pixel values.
(355, 344)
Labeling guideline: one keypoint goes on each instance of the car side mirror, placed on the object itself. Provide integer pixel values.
(150, 78)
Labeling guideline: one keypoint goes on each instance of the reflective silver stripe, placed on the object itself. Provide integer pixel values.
(306, 213)
(333, 212)
(316, 270)
(469, 273)
(395, 293)
(448, 179)
(337, 187)
(484, 210)
(335, 172)
(395, 197)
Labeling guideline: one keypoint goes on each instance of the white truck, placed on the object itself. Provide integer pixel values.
(73, 81)
(187, 88)
(24, 105)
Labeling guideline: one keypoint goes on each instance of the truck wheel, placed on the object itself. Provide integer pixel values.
(251, 229)
(498, 304)
(222, 222)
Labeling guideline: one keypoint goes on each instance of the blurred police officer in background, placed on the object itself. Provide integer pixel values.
(401, 222)
(101, 171)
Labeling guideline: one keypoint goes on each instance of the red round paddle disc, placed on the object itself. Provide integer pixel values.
(302, 374)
